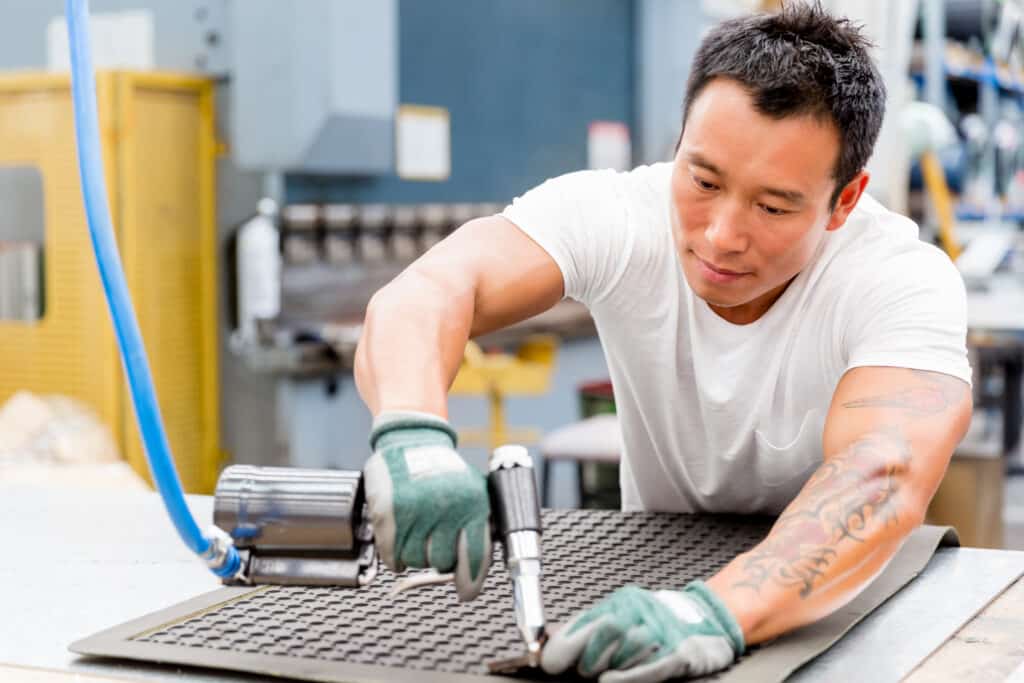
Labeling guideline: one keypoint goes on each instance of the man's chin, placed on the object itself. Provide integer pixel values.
(722, 303)
(720, 300)
(721, 296)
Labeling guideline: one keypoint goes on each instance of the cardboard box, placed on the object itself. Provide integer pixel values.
(970, 498)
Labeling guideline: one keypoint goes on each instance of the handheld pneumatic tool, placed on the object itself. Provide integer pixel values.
(310, 527)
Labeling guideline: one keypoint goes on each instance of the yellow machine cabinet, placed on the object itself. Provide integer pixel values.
(158, 144)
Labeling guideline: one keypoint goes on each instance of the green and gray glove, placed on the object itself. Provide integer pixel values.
(429, 508)
(641, 636)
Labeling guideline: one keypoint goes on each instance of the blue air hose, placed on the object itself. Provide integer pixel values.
(220, 556)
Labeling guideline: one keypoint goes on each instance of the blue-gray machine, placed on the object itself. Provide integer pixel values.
(278, 525)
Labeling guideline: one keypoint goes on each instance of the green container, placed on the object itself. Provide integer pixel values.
(599, 482)
(596, 398)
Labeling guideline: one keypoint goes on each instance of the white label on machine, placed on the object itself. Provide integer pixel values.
(120, 40)
(608, 146)
(423, 143)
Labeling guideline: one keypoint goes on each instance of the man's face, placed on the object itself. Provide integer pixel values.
(751, 199)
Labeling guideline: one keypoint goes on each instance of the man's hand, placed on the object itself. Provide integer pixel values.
(641, 636)
(427, 505)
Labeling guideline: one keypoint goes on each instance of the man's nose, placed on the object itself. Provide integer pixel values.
(724, 232)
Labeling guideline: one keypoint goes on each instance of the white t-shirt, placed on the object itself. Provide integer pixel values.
(722, 417)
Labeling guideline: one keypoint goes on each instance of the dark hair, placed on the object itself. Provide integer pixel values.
(800, 61)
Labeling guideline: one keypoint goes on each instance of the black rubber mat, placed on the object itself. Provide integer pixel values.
(365, 634)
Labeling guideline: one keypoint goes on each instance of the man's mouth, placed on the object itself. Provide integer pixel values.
(717, 273)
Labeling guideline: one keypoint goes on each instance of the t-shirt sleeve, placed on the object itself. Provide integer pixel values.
(910, 312)
(581, 220)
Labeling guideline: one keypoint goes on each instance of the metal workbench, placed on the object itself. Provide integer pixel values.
(77, 563)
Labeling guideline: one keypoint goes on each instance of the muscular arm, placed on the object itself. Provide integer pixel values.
(484, 276)
(888, 438)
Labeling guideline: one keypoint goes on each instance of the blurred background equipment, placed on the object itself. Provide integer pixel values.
(21, 295)
(593, 444)
(271, 165)
(928, 131)
(967, 64)
(343, 148)
(259, 268)
(495, 376)
(314, 89)
(21, 243)
(306, 106)
(160, 159)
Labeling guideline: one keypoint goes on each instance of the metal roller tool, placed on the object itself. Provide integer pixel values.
(296, 526)
(310, 527)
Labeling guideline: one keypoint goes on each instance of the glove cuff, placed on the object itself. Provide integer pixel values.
(719, 612)
(393, 420)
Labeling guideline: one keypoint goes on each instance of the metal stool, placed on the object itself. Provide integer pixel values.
(498, 375)
(595, 440)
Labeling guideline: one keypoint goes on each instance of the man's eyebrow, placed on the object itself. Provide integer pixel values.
(789, 195)
(792, 196)
(698, 159)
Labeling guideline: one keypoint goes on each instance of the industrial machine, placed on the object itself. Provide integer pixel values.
(274, 525)
(318, 274)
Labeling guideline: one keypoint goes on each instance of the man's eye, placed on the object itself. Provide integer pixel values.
(773, 211)
(704, 185)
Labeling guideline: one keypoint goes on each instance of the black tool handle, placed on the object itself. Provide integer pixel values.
(514, 502)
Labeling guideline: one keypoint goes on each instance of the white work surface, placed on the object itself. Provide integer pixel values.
(75, 563)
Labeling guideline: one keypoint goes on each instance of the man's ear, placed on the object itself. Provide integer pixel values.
(847, 200)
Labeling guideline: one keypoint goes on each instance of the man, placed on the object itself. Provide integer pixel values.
(777, 341)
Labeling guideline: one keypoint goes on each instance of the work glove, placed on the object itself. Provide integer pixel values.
(641, 636)
(429, 508)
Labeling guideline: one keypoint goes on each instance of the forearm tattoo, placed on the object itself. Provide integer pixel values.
(851, 495)
(847, 494)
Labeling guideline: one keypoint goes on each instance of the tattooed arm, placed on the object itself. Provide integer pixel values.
(888, 438)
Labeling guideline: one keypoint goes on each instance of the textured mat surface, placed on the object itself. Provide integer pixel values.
(337, 634)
